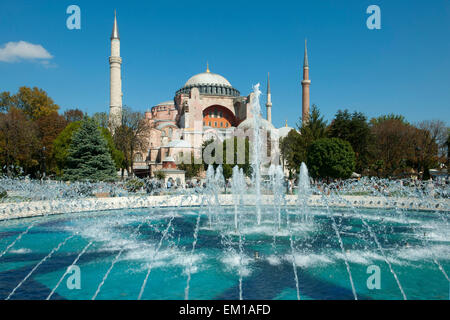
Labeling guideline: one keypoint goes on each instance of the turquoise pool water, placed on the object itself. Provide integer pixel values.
(125, 244)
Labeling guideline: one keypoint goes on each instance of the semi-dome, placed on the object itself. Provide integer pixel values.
(166, 103)
(207, 78)
(164, 124)
(249, 124)
(284, 131)
(178, 144)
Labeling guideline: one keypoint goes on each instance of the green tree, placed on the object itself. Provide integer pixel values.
(294, 146)
(160, 175)
(389, 117)
(355, 129)
(291, 149)
(88, 157)
(191, 169)
(331, 158)
(315, 128)
(117, 155)
(62, 143)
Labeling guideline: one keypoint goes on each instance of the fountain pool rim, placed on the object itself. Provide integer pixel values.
(19, 210)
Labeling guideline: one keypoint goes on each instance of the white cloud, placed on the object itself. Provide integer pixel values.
(22, 50)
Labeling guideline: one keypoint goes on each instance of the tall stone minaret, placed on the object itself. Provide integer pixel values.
(115, 63)
(305, 88)
(269, 100)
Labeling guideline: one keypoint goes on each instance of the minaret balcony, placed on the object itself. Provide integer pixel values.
(115, 60)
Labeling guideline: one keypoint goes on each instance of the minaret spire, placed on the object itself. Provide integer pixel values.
(305, 88)
(305, 59)
(269, 100)
(115, 31)
(115, 83)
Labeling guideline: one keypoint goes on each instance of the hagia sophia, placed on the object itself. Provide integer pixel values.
(206, 107)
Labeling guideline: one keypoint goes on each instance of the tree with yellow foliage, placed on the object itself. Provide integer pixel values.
(34, 102)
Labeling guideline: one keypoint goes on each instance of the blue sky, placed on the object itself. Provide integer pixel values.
(403, 68)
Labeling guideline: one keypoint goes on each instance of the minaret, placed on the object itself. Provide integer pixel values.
(305, 88)
(269, 100)
(115, 82)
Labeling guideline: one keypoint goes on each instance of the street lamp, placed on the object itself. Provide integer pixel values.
(43, 162)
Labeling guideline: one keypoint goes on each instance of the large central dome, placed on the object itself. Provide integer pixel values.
(207, 78)
(209, 83)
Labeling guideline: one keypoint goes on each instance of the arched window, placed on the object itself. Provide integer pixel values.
(138, 157)
(219, 117)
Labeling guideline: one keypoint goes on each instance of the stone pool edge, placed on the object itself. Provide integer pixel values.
(30, 209)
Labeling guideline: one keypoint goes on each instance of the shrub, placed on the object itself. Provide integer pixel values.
(331, 158)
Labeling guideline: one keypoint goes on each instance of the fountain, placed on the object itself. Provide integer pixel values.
(304, 190)
(257, 242)
(256, 155)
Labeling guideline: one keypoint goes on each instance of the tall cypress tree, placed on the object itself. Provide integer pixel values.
(89, 158)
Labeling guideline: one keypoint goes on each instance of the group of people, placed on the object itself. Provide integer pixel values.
(319, 186)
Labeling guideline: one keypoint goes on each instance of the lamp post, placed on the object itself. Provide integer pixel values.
(43, 162)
